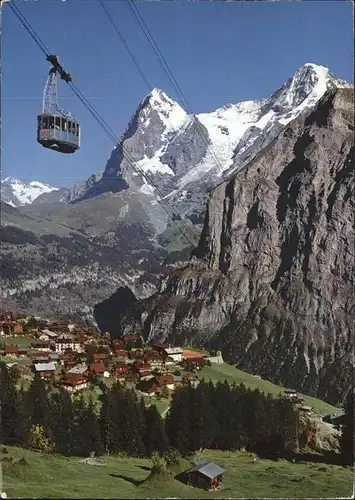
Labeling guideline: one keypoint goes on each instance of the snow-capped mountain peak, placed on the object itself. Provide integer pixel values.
(16, 192)
(183, 156)
(305, 87)
(158, 103)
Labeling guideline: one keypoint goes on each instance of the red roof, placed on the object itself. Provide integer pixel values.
(97, 368)
(163, 380)
(130, 338)
(99, 355)
(142, 366)
(74, 379)
(121, 368)
(121, 352)
(192, 355)
(10, 349)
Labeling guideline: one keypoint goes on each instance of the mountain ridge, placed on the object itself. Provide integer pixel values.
(271, 281)
(184, 156)
(16, 192)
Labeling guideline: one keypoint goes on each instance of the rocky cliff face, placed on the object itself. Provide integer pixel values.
(272, 279)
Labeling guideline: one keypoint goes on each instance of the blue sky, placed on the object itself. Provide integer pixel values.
(218, 52)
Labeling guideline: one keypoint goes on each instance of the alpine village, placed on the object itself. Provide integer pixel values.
(65, 389)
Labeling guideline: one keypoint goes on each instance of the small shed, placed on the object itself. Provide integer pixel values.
(206, 475)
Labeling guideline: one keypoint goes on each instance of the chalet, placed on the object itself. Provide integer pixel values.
(175, 353)
(130, 338)
(99, 356)
(78, 369)
(122, 352)
(121, 369)
(48, 335)
(154, 359)
(75, 382)
(167, 381)
(290, 393)
(130, 341)
(45, 370)
(143, 370)
(11, 350)
(61, 344)
(66, 335)
(99, 369)
(40, 345)
(206, 475)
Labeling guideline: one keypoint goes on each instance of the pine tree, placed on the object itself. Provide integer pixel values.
(13, 416)
(223, 402)
(202, 418)
(177, 422)
(347, 436)
(86, 430)
(237, 437)
(104, 421)
(133, 425)
(38, 403)
(62, 421)
(154, 437)
(115, 420)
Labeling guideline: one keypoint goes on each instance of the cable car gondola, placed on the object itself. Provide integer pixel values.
(56, 129)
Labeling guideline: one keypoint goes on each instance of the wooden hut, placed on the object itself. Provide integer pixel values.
(206, 475)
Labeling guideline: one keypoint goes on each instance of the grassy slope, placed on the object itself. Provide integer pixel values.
(232, 374)
(215, 373)
(59, 477)
(22, 341)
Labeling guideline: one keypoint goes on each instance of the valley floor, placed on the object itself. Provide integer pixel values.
(55, 476)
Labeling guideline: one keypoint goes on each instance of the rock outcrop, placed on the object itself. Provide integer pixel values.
(272, 280)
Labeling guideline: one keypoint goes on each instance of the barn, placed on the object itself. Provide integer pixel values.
(206, 475)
